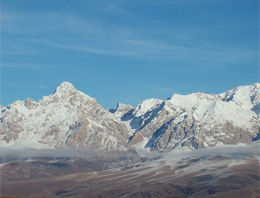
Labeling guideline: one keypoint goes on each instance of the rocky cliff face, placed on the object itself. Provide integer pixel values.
(69, 118)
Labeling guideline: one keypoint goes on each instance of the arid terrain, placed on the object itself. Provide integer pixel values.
(176, 174)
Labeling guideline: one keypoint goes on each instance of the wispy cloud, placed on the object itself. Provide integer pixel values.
(158, 51)
(88, 35)
(23, 65)
(117, 8)
(170, 2)
(162, 89)
(86, 49)
(21, 86)
(16, 47)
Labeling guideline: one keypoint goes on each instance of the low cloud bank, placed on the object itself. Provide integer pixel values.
(8, 154)
(252, 150)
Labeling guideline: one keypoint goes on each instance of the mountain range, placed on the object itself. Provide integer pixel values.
(68, 145)
(68, 118)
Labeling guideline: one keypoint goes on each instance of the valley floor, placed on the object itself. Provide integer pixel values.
(189, 174)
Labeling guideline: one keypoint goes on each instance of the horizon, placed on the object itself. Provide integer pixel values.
(115, 106)
(127, 51)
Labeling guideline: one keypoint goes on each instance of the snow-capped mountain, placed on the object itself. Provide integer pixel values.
(121, 109)
(67, 118)
(197, 120)
(70, 118)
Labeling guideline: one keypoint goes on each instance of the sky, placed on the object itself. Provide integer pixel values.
(128, 50)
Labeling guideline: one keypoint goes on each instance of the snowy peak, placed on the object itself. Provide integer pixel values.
(66, 85)
(122, 106)
(199, 120)
(65, 88)
(67, 92)
(192, 100)
(121, 109)
(67, 118)
(244, 95)
(147, 105)
(70, 118)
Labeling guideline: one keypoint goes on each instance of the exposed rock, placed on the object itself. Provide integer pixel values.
(69, 118)
(199, 120)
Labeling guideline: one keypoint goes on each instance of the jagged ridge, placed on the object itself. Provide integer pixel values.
(70, 118)
(67, 118)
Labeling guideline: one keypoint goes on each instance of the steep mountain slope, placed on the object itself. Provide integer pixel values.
(67, 118)
(197, 120)
(121, 109)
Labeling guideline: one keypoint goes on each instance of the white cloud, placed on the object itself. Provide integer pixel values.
(91, 35)
(10, 154)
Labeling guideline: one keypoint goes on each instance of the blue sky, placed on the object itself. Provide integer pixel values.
(127, 51)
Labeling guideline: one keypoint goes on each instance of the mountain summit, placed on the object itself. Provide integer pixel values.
(200, 120)
(70, 118)
(67, 118)
(65, 86)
